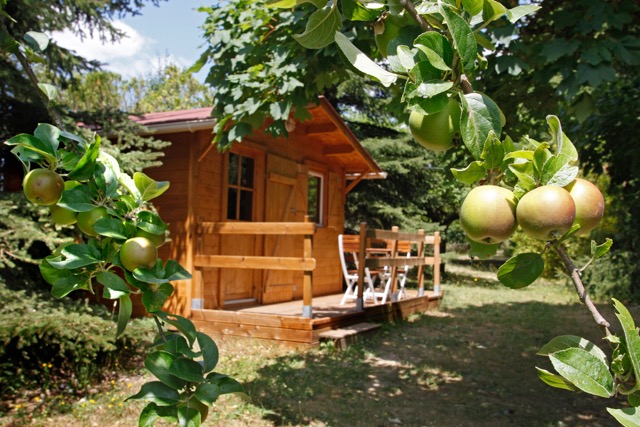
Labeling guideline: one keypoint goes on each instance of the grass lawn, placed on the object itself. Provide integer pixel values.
(471, 363)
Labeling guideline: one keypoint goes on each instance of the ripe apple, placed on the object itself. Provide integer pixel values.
(87, 219)
(138, 252)
(436, 131)
(589, 204)
(43, 187)
(546, 212)
(488, 214)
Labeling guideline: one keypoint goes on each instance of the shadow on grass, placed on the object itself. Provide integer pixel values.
(463, 367)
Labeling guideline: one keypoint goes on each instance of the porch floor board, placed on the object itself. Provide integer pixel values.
(284, 322)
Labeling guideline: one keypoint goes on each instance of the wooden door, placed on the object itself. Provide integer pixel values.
(241, 202)
(285, 201)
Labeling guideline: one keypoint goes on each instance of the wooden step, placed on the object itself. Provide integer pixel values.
(346, 335)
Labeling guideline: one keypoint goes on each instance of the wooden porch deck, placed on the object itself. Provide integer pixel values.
(284, 322)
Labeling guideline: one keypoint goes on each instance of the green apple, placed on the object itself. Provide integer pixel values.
(138, 252)
(546, 213)
(87, 219)
(436, 131)
(61, 215)
(488, 214)
(157, 239)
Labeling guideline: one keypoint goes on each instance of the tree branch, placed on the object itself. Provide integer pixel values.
(574, 272)
(411, 9)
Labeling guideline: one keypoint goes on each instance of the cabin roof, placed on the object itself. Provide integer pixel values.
(325, 127)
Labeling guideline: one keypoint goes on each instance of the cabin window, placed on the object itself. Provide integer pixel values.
(315, 198)
(240, 188)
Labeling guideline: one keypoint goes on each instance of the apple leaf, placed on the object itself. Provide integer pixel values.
(78, 199)
(514, 14)
(114, 285)
(474, 172)
(321, 27)
(493, 152)
(628, 417)
(207, 393)
(154, 298)
(481, 250)
(472, 6)
(209, 349)
(49, 91)
(110, 227)
(362, 62)
(159, 363)
(36, 40)
(152, 412)
(187, 369)
(631, 336)
(354, 11)
(560, 177)
(480, 116)
(48, 134)
(32, 148)
(76, 256)
(555, 380)
(437, 44)
(492, 10)
(150, 222)
(434, 59)
(189, 416)
(598, 251)
(85, 168)
(148, 187)
(158, 393)
(124, 313)
(463, 38)
(584, 370)
(564, 342)
(521, 270)
(182, 324)
(428, 89)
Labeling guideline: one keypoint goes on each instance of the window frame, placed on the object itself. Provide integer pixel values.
(320, 220)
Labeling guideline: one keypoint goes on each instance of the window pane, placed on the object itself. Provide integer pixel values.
(312, 199)
(246, 205)
(233, 169)
(247, 172)
(232, 202)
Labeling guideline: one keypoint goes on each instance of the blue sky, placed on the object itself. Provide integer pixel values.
(167, 33)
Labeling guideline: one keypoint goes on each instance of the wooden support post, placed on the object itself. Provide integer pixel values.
(421, 266)
(436, 263)
(307, 281)
(394, 268)
(362, 256)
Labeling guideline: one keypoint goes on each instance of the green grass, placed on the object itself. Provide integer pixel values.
(471, 363)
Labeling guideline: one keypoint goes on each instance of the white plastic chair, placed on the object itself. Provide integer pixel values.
(350, 244)
(403, 248)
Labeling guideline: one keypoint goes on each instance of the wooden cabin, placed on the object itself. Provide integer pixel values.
(273, 198)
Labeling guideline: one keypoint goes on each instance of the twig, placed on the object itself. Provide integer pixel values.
(411, 9)
(574, 272)
(34, 80)
(159, 325)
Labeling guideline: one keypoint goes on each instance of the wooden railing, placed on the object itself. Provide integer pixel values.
(306, 263)
(394, 237)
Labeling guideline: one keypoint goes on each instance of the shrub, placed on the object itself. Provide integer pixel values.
(52, 346)
(614, 276)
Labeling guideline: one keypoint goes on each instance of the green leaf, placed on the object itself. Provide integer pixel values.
(148, 187)
(76, 256)
(207, 393)
(362, 62)
(110, 227)
(474, 172)
(154, 299)
(354, 11)
(188, 416)
(482, 250)
(48, 134)
(520, 154)
(124, 313)
(152, 412)
(429, 89)
(493, 152)
(158, 363)
(78, 199)
(473, 7)
(631, 336)
(560, 177)
(321, 27)
(514, 14)
(555, 380)
(150, 222)
(84, 169)
(492, 10)
(158, 393)
(182, 324)
(50, 91)
(463, 38)
(480, 116)
(584, 370)
(36, 40)
(281, 4)
(598, 251)
(209, 351)
(187, 369)
(564, 342)
(30, 143)
(439, 45)
(114, 285)
(434, 59)
(628, 417)
(521, 270)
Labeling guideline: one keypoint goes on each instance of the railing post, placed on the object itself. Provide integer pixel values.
(362, 257)
(307, 280)
(394, 269)
(436, 263)
(421, 266)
